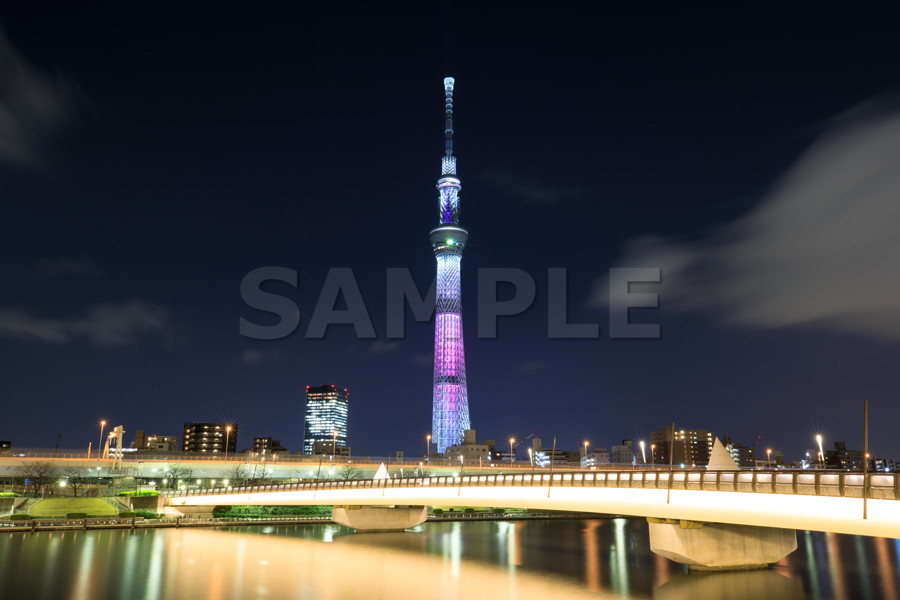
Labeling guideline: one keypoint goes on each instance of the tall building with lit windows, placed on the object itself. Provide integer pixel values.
(210, 437)
(450, 396)
(326, 416)
(691, 447)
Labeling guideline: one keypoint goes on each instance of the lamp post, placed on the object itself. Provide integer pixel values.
(653, 455)
(428, 447)
(643, 452)
(531, 459)
(769, 457)
(461, 467)
(100, 447)
(821, 452)
(512, 457)
(227, 436)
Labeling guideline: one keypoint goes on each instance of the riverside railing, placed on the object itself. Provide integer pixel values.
(884, 486)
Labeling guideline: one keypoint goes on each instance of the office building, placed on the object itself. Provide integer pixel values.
(326, 417)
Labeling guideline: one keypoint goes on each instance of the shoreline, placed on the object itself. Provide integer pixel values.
(137, 523)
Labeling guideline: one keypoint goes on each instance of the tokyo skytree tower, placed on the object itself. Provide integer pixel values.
(448, 240)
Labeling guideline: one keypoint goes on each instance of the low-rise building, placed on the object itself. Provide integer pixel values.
(154, 443)
(622, 454)
(469, 449)
(329, 448)
(267, 445)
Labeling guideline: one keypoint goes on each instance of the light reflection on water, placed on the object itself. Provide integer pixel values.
(516, 559)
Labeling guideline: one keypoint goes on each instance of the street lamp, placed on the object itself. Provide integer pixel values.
(100, 447)
(821, 452)
(227, 436)
(769, 457)
(428, 447)
(461, 467)
(531, 459)
(653, 455)
(333, 445)
(512, 457)
(643, 452)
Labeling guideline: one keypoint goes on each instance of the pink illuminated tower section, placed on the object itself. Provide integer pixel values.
(448, 240)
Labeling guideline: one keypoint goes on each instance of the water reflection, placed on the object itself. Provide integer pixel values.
(545, 559)
(740, 585)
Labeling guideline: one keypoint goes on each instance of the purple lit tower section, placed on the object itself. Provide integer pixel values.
(451, 399)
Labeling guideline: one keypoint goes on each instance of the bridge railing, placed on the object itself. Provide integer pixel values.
(813, 483)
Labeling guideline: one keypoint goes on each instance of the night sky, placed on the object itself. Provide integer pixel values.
(149, 160)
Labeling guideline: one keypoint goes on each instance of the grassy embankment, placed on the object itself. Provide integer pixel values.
(60, 507)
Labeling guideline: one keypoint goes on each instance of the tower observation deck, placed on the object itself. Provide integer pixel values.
(450, 415)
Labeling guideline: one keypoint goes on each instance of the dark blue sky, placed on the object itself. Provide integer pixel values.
(149, 160)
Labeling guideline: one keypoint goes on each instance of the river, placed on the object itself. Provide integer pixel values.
(572, 559)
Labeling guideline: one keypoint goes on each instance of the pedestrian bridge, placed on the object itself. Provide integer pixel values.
(837, 502)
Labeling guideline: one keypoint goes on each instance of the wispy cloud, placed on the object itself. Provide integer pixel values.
(54, 268)
(32, 106)
(531, 191)
(254, 356)
(821, 251)
(104, 325)
(379, 347)
(531, 366)
(422, 360)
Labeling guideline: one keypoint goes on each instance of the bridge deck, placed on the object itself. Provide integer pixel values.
(820, 501)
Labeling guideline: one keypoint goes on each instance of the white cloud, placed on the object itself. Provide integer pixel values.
(821, 251)
(104, 325)
(32, 107)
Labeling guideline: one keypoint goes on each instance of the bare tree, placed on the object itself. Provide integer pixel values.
(40, 473)
(175, 473)
(76, 477)
(349, 472)
(237, 476)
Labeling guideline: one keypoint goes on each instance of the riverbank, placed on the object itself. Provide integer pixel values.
(138, 523)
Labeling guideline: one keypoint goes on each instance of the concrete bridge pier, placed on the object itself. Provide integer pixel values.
(379, 518)
(718, 546)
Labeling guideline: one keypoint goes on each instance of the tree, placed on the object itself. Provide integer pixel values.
(349, 472)
(40, 473)
(76, 477)
(237, 476)
(175, 473)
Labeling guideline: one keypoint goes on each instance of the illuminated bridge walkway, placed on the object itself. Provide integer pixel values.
(806, 500)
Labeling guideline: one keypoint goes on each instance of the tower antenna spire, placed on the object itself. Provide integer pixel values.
(448, 112)
(448, 164)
